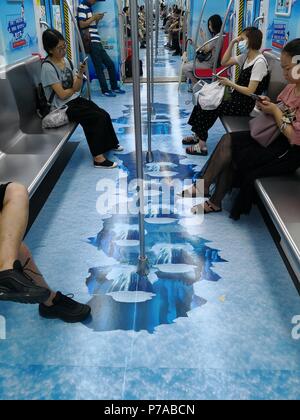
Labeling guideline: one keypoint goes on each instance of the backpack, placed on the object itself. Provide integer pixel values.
(43, 106)
(128, 67)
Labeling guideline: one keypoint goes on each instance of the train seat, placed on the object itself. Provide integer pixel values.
(27, 151)
(208, 73)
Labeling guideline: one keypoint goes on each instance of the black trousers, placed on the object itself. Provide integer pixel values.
(2, 194)
(96, 123)
(252, 161)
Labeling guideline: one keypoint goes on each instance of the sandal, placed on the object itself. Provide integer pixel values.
(196, 151)
(190, 141)
(209, 209)
(189, 193)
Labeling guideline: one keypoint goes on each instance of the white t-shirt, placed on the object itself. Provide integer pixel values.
(260, 69)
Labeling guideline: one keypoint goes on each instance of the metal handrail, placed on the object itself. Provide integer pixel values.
(44, 23)
(200, 22)
(220, 44)
(81, 46)
(258, 19)
(143, 261)
(149, 86)
(216, 38)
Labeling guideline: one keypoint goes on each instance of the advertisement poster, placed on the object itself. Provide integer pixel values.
(283, 26)
(283, 7)
(109, 30)
(18, 29)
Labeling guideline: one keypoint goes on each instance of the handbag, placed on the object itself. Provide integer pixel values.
(56, 118)
(211, 96)
(264, 128)
(203, 56)
(196, 91)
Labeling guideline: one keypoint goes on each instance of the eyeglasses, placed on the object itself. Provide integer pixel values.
(62, 48)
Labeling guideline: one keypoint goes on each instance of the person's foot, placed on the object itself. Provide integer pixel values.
(197, 150)
(207, 208)
(66, 309)
(119, 91)
(17, 286)
(110, 94)
(119, 149)
(106, 164)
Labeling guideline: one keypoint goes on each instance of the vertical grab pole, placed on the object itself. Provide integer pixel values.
(200, 23)
(80, 45)
(220, 41)
(156, 28)
(143, 261)
(152, 55)
(149, 157)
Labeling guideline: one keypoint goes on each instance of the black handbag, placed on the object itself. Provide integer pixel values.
(203, 56)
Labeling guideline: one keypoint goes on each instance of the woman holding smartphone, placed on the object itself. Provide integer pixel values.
(63, 85)
(253, 79)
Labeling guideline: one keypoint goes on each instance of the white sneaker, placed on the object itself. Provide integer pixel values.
(119, 149)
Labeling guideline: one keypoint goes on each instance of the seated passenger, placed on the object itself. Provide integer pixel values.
(20, 279)
(214, 28)
(239, 159)
(254, 78)
(96, 122)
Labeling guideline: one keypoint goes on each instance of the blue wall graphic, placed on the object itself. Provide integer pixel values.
(17, 24)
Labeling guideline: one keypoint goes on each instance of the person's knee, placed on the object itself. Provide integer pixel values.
(16, 190)
(226, 140)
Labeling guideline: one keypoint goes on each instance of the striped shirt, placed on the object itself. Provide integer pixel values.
(85, 12)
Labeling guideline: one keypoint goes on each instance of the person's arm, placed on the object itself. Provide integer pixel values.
(252, 87)
(78, 80)
(62, 93)
(228, 59)
(286, 129)
(86, 23)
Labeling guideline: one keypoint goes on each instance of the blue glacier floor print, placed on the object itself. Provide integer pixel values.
(222, 330)
(177, 259)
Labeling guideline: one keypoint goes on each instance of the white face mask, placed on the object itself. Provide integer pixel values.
(243, 46)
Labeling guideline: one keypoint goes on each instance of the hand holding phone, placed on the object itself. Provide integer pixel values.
(257, 98)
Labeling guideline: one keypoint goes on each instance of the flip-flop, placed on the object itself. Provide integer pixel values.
(188, 194)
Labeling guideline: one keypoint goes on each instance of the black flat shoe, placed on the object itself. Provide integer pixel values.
(66, 309)
(107, 164)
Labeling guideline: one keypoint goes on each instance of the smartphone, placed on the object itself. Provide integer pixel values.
(256, 97)
(217, 76)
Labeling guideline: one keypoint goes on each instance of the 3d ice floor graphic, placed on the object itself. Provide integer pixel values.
(177, 259)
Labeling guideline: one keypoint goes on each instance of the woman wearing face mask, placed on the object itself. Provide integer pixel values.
(239, 159)
(214, 28)
(62, 86)
(254, 78)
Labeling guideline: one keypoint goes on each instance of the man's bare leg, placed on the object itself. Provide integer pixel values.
(13, 224)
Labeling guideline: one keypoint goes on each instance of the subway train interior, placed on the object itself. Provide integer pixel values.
(149, 200)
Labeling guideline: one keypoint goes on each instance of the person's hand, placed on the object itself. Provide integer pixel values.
(267, 107)
(99, 16)
(237, 40)
(266, 99)
(82, 69)
(225, 82)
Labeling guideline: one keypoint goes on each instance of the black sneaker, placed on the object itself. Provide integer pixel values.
(17, 286)
(66, 309)
(107, 164)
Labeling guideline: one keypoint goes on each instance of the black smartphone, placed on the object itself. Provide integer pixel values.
(256, 97)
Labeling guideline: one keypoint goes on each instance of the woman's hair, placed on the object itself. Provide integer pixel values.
(292, 48)
(51, 38)
(255, 37)
(216, 24)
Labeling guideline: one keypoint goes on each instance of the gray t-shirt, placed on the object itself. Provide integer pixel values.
(50, 77)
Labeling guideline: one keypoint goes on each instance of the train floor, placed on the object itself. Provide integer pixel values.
(212, 320)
